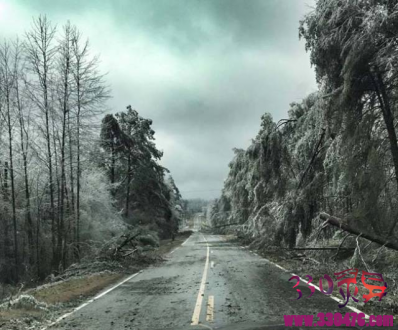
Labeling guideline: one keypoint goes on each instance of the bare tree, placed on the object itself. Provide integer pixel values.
(64, 94)
(91, 92)
(8, 86)
(24, 141)
(40, 55)
(51, 96)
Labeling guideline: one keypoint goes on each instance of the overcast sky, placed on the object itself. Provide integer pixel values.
(203, 70)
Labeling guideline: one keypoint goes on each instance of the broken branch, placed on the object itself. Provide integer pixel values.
(337, 222)
(377, 254)
(315, 154)
(341, 244)
(360, 254)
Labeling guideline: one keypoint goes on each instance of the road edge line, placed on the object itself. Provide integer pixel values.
(90, 301)
(199, 299)
(356, 310)
(180, 245)
(183, 243)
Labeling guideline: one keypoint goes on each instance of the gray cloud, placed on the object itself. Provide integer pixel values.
(204, 70)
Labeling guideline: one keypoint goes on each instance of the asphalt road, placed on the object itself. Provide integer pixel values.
(205, 283)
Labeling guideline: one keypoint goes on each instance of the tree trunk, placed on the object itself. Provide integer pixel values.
(78, 175)
(128, 184)
(389, 122)
(314, 155)
(56, 259)
(40, 55)
(337, 222)
(50, 167)
(72, 183)
(14, 215)
(62, 194)
(29, 224)
(113, 160)
(11, 159)
(66, 58)
(7, 238)
(38, 261)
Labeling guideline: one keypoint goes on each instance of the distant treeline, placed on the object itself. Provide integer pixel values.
(195, 205)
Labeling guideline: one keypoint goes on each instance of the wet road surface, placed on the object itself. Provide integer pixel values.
(206, 283)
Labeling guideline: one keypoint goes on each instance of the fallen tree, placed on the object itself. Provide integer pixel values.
(319, 248)
(227, 225)
(132, 242)
(337, 222)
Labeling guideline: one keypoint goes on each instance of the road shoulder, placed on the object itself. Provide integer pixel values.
(44, 304)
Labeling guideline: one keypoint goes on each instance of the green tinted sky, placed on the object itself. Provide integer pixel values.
(204, 70)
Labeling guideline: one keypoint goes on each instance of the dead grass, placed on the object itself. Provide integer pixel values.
(76, 288)
(20, 313)
(88, 286)
(72, 291)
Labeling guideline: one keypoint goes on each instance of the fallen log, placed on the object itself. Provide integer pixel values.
(227, 225)
(337, 222)
(320, 248)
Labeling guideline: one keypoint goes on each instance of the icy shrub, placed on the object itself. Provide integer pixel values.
(24, 302)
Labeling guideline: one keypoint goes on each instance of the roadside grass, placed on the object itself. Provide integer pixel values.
(63, 293)
(69, 292)
(12, 314)
(76, 288)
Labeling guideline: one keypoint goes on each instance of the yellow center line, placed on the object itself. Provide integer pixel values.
(210, 309)
(198, 306)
